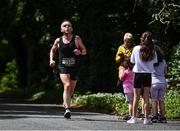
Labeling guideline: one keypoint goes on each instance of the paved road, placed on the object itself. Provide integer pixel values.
(27, 116)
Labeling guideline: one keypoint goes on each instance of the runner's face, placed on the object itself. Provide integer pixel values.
(66, 27)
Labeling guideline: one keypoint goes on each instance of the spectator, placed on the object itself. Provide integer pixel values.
(128, 83)
(124, 51)
(143, 56)
(158, 88)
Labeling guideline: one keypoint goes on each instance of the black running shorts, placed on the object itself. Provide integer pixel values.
(72, 71)
(142, 80)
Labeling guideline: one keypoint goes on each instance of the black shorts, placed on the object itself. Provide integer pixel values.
(72, 71)
(142, 80)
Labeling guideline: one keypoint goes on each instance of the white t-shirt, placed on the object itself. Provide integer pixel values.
(140, 65)
(159, 75)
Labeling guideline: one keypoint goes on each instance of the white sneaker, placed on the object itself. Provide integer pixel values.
(147, 121)
(132, 120)
(67, 114)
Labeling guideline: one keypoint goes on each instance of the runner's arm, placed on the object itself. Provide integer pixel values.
(53, 52)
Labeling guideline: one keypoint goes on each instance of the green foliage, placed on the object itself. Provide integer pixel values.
(172, 104)
(28, 29)
(19, 10)
(51, 96)
(9, 80)
(38, 95)
(101, 101)
(174, 69)
(116, 103)
(166, 13)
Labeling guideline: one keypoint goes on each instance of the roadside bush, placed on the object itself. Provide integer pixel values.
(9, 80)
(98, 102)
(172, 103)
(174, 69)
(115, 103)
(103, 102)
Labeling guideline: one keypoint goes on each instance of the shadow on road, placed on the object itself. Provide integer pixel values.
(26, 114)
(15, 109)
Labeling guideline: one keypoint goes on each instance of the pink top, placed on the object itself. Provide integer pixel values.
(128, 80)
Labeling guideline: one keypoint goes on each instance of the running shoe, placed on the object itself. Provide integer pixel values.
(147, 121)
(162, 120)
(132, 120)
(67, 114)
(154, 119)
(141, 116)
(127, 117)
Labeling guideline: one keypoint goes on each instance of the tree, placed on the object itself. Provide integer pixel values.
(29, 28)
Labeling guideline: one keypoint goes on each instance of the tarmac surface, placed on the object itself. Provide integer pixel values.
(20, 115)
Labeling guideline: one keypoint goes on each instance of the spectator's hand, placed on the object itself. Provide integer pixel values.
(52, 63)
(77, 52)
(121, 54)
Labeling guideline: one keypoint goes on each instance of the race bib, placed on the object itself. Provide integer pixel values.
(68, 61)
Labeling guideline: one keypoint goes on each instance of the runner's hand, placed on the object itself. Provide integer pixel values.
(52, 63)
(77, 52)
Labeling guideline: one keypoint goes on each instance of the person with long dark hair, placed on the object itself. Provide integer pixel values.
(143, 57)
(158, 88)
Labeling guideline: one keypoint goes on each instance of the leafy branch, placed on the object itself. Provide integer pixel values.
(166, 15)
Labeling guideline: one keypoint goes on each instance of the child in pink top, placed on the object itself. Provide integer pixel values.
(128, 83)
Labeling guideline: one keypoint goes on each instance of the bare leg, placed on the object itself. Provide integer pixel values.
(130, 106)
(73, 85)
(154, 107)
(65, 78)
(135, 100)
(162, 108)
(146, 101)
(142, 106)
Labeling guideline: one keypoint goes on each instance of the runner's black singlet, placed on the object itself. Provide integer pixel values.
(67, 59)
